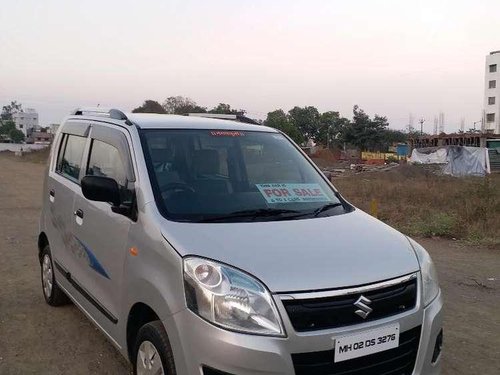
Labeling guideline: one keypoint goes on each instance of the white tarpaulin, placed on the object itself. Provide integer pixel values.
(437, 157)
(467, 161)
(458, 160)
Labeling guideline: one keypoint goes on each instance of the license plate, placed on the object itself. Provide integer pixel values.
(366, 342)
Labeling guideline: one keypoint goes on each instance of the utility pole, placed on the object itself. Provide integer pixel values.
(441, 122)
(410, 123)
(421, 121)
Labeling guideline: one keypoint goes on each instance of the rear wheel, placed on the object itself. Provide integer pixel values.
(153, 354)
(53, 294)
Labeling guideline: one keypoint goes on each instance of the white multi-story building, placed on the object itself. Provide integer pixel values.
(491, 118)
(26, 121)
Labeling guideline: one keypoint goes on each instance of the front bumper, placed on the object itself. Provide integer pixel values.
(197, 343)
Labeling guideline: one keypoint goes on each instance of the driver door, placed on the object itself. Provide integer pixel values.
(101, 234)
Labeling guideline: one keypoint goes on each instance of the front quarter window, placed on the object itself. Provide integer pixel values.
(227, 176)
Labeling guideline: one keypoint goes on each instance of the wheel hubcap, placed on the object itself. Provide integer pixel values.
(47, 277)
(148, 360)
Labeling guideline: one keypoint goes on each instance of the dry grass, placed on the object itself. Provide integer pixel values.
(420, 203)
(37, 156)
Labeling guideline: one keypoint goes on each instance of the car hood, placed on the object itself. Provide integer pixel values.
(301, 255)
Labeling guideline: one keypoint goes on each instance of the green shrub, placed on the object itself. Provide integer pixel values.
(437, 224)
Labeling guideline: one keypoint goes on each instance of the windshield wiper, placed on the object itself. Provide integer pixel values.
(326, 207)
(261, 212)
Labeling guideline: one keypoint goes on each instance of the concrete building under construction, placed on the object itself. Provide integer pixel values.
(456, 139)
(491, 113)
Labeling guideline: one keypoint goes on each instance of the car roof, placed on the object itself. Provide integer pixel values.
(159, 121)
(162, 121)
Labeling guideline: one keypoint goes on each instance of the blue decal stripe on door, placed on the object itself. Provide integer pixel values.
(93, 262)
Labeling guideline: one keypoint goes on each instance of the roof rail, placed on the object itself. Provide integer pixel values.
(115, 114)
(239, 117)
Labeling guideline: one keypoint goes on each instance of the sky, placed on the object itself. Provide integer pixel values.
(390, 57)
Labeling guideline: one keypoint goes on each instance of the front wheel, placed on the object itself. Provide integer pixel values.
(53, 294)
(153, 354)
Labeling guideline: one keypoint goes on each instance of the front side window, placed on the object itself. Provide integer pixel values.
(219, 175)
(105, 161)
(71, 153)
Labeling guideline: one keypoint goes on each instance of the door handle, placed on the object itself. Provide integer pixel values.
(52, 195)
(78, 213)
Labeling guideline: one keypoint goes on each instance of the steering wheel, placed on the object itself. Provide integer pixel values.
(176, 186)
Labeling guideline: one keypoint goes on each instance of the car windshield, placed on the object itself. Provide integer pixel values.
(219, 175)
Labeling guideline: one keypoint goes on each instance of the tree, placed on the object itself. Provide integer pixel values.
(8, 110)
(150, 106)
(181, 105)
(16, 136)
(278, 119)
(365, 133)
(7, 126)
(307, 120)
(391, 136)
(331, 128)
(225, 109)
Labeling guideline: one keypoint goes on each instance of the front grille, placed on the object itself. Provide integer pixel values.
(397, 361)
(339, 311)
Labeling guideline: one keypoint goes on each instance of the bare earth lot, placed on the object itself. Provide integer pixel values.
(38, 339)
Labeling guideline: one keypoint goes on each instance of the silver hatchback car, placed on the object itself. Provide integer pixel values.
(204, 246)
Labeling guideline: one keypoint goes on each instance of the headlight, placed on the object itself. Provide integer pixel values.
(429, 273)
(230, 298)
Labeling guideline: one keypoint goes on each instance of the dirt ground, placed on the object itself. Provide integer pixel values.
(38, 339)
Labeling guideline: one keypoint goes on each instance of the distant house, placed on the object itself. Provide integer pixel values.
(53, 128)
(26, 121)
(40, 138)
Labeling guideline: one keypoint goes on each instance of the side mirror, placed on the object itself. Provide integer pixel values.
(101, 189)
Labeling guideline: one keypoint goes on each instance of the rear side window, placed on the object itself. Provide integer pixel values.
(105, 161)
(70, 156)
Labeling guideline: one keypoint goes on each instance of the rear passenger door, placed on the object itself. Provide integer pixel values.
(102, 234)
(62, 185)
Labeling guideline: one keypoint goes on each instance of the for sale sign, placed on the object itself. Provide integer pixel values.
(292, 193)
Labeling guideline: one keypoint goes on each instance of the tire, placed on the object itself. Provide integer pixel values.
(54, 296)
(153, 333)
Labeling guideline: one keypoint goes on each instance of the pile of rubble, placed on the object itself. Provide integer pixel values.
(332, 172)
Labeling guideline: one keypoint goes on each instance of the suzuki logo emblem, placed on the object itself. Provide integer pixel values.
(362, 304)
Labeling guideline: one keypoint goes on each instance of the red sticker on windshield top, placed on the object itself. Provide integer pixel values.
(226, 133)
